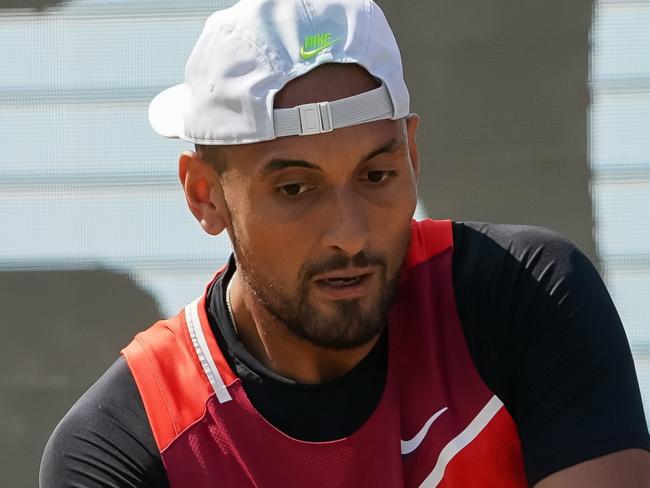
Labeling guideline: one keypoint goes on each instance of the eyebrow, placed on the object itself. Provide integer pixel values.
(390, 146)
(281, 163)
(278, 164)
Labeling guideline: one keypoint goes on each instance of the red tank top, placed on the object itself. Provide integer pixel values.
(437, 423)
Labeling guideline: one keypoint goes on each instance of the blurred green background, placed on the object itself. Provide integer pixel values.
(532, 112)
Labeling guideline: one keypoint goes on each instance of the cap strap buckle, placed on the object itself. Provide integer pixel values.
(315, 118)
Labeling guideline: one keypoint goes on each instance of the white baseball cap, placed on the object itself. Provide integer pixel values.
(248, 52)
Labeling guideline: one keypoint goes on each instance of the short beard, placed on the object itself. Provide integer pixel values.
(350, 324)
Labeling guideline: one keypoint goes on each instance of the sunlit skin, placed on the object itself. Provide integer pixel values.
(300, 209)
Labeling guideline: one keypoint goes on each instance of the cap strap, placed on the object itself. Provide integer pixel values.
(315, 118)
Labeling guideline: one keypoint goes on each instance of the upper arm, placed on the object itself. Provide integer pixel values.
(629, 468)
(104, 440)
(548, 341)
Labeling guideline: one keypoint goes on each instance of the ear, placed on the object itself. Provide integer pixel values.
(203, 192)
(412, 122)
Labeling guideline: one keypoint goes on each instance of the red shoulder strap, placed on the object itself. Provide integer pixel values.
(428, 238)
(169, 376)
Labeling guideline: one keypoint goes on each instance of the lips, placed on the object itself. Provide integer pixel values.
(341, 282)
(346, 275)
(344, 285)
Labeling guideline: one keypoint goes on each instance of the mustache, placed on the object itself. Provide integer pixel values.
(340, 262)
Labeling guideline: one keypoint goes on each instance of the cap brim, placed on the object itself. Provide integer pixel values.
(166, 111)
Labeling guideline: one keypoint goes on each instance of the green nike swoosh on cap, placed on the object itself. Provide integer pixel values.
(308, 54)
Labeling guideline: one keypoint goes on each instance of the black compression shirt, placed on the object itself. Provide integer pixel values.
(552, 348)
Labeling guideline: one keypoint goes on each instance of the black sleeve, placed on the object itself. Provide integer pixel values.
(104, 440)
(546, 338)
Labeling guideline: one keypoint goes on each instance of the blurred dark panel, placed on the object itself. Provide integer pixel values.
(501, 88)
(65, 328)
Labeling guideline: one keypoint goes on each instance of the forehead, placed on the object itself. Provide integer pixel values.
(326, 83)
(340, 150)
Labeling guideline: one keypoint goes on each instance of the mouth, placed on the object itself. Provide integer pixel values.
(345, 284)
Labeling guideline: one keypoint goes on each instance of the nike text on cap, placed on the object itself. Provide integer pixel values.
(248, 52)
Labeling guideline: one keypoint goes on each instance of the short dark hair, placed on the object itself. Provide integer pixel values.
(213, 155)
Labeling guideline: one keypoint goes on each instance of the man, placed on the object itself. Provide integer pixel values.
(344, 344)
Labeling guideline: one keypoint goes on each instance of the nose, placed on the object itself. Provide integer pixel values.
(346, 226)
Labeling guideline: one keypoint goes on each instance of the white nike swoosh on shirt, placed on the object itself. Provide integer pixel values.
(412, 444)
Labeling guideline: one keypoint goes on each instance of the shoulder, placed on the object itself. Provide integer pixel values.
(518, 263)
(546, 337)
(511, 281)
(105, 439)
(519, 241)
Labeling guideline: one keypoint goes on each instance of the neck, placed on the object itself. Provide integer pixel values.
(271, 343)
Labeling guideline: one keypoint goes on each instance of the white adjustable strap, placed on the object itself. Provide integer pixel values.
(201, 347)
(314, 118)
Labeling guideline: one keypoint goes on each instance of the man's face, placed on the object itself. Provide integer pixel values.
(320, 224)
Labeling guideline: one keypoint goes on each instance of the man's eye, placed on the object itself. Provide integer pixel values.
(294, 189)
(380, 176)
